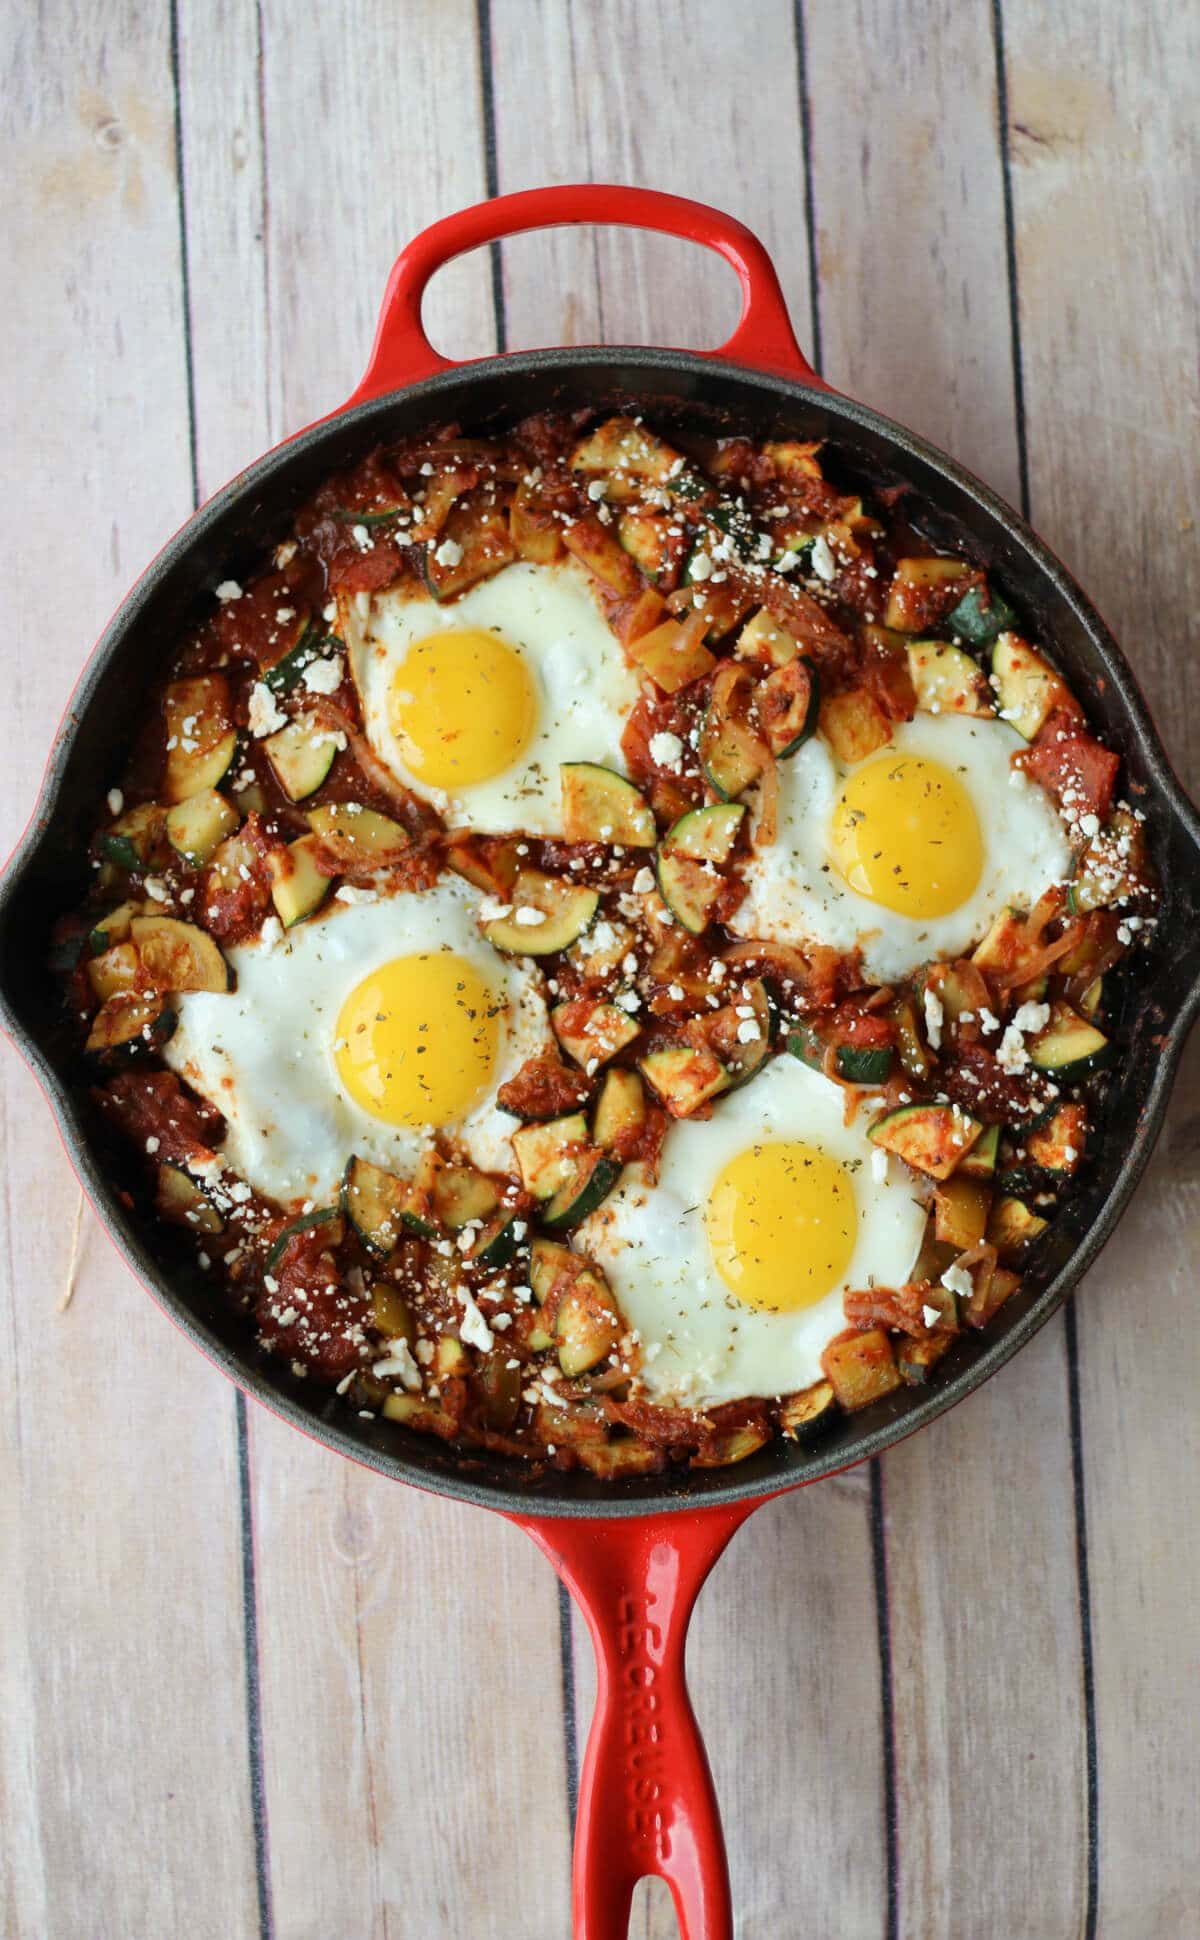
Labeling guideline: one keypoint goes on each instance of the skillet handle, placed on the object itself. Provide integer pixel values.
(402, 352)
(646, 1799)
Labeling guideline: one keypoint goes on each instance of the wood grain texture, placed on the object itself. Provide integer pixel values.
(123, 1795)
(915, 319)
(1105, 167)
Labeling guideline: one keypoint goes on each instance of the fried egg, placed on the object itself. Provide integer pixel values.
(732, 1268)
(474, 705)
(908, 855)
(360, 1031)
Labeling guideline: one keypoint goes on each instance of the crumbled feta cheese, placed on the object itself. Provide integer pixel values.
(930, 1315)
(398, 1362)
(628, 1000)
(265, 716)
(474, 1330)
(491, 909)
(879, 1164)
(957, 1280)
(528, 917)
(643, 882)
(935, 1017)
(324, 676)
(349, 894)
(449, 553)
(666, 750)
(824, 564)
(1032, 1017)
(116, 801)
(228, 590)
(699, 567)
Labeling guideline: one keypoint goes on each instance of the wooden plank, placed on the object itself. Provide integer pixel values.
(1104, 166)
(123, 1777)
(409, 1649)
(979, 1508)
(634, 120)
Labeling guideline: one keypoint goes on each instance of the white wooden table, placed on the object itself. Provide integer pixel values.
(249, 1690)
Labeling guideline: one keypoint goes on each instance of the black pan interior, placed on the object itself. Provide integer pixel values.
(228, 537)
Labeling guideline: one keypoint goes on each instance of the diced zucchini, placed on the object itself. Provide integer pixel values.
(689, 859)
(1012, 1225)
(461, 1194)
(960, 1212)
(546, 1153)
(491, 867)
(109, 929)
(130, 1025)
(1057, 1143)
(587, 1325)
(980, 615)
(1069, 1046)
(1026, 686)
(324, 1216)
(137, 839)
(930, 1138)
(599, 805)
(356, 837)
(295, 646)
(548, 1258)
(947, 680)
(500, 1388)
(630, 458)
(854, 724)
(861, 1369)
(803, 1416)
(625, 1456)
(992, 1289)
(298, 886)
(533, 528)
(473, 543)
(916, 1359)
(391, 1314)
(857, 1064)
(1112, 867)
(182, 1200)
(744, 1056)
(565, 911)
(115, 971)
(197, 826)
(673, 655)
(684, 1078)
(496, 1241)
(179, 956)
(793, 458)
(788, 704)
(201, 738)
(763, 640)
(731, 754)
(374, 1202)
(593, 1033)
(920, 586)
(605, 558)
(301, 754)
(980, 1161)
(450, 1358)
(734, 1445)
(914, 1057)
(620, 1111)
(1092, 1002)
(647, 539)
(586, 1185)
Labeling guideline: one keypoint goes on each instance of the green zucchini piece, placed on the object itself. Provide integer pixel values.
(1112, 868)
(1056, 1144)
(788, 704)
(744, 1060)
(587, 1325)
(1026, 686)
(302, 753)
(547, 1259)
(672, 656)
(298, 886)
(381, 515)
(391, 1314)
(593, 1033)
(374, 1202)
(620, 1111)
(1069, 1046)
(546, 1153)
(763, 640)
(1012, 1225)
(856, 1064)
(803, 1416)
(197, 826)
(980, 1161)
(110, 929)
(684, 1078)
(731, 755)
(179, 956)
(357, 837)
(290, 653)
(182, 1200)
(915, 1058)
(630, 458)
(201, 738)
(115, 971)
(930, 1138)
(461, 1194)
(588, 1182)
(565, 911)
(972, 620)
(306, 1223)
(689, 858)
(472, 544)
(496, 1241)
(861, 1369)
(960, 1212)
(646, 539)
(137, 839)
(500, 1389)
(947, 681)
(1093, 1001)
(599, 805)
(130, 1026)
(916, 1359)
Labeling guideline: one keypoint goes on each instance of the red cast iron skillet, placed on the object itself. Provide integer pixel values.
(634, 1554)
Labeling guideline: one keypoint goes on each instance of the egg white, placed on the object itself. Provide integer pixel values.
(263, 1053)
(699, 1342)
(795, 893)
(547, 614)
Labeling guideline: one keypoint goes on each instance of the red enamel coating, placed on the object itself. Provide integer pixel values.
(646, 1799)
(402, 352)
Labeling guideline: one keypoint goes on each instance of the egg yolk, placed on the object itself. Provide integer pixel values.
(905, 834)
(463, 707)
(782, 1222)
(417, 1039)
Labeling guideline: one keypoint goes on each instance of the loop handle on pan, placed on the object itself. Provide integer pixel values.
(646, 1799)
(763, 339)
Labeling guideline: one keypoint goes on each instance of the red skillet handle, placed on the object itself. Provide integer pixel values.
(646, 1799)
(402, 352)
